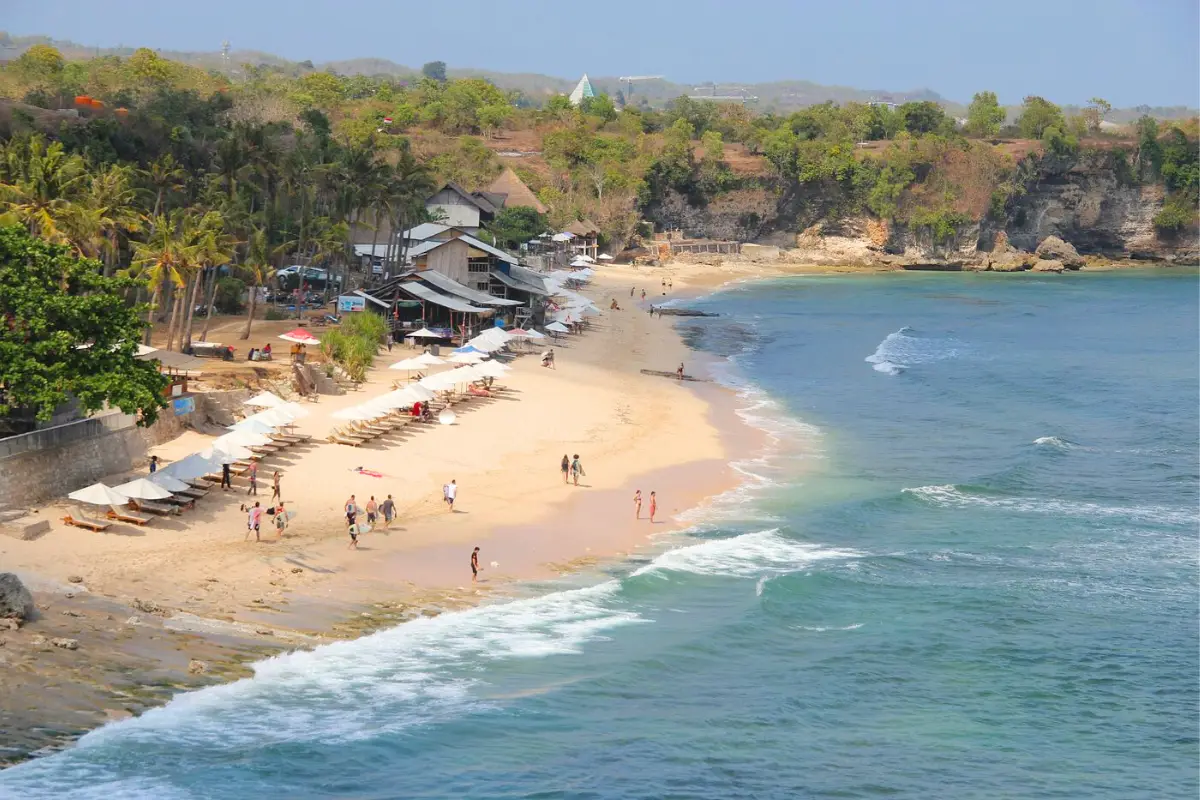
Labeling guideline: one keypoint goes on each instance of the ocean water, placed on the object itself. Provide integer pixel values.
(966, 567)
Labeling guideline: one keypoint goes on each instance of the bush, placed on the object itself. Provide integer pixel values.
(274, 314)
(229, 295)
(1174, 216)
(354, 344)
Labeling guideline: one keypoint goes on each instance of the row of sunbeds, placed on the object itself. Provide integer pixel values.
(359, 433)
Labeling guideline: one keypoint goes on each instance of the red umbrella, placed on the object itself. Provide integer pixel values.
(299, 336)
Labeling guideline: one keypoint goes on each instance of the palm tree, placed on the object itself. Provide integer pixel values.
(108, 212)
(39, 184)
(161, 260)
(164, 177)
(214, 247)
(256, 267)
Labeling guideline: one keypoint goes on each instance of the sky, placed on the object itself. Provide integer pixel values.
(1131, 53)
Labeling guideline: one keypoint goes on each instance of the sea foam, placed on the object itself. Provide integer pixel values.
(744, 556)
(950, 496)
(902, 349)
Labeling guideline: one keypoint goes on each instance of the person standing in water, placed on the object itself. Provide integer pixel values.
(474, 565)
(679, 371)
(637, 504)
(653, 506)
(566, 468)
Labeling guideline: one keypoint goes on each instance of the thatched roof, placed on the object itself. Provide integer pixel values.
(583, 227)
(518, 194)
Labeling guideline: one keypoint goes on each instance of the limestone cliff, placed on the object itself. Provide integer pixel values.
(1090, 200)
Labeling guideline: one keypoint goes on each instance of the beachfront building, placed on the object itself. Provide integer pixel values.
(585, 239)
(455, 206)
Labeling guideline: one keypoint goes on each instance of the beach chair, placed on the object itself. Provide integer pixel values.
(122, 515)
(268, 449)
(161, 509)
(84, 522)
(180, 501)
(337, 438)
(195, 494)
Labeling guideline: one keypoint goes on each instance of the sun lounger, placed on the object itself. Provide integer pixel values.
(153, 507)
(178, 499)
(338, 439)
(267, 449)
(294, 438)
(84, 522)
(122, 515)
(195, 494)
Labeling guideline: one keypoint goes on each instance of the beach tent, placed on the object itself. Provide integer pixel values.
(558, 327)
(168, 482)
(98, 494)
(299, 336)
(424, 333)
(190, 467)
(264, 400)
(142, 489)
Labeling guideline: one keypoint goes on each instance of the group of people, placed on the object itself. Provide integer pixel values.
(637, 505)
(374, 510)
(254, 518)
(572, 468)
(260, 353)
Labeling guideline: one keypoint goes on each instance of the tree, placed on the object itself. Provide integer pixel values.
(161, 260)
(599, 106)
(435, 71)
(256, 267)
(40, 183)
(923, 117)
(68, 335)
(516, 225)
(1037, 115)
(984, 115)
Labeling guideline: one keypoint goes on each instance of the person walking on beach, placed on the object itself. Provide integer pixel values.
(631, 288)
(450, 491)
(566, 468)
(153, 464)
(372, 511)
(353, 531)
(352, 512)
(253, 476)
(643, 294)
(388, 507)
(577, 469)
(679, 371)
(637, 504)
(281, 519)
(226, 477)
(253, 520)
(474, 565)
(275, 493)
(653, 506)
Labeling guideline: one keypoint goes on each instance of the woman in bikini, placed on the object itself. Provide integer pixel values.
(637, 504)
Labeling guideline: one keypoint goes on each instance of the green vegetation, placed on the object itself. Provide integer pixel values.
(984, 115)
(353, 345)
(68, 334)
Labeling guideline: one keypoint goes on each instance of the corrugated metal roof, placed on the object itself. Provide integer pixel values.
(520, 286)
(425, 247)
(527, 275)
(429, 295)
(440, 281)
(425, 230)
(375, 300)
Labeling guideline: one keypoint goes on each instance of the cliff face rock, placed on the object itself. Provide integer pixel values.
(1060, 210)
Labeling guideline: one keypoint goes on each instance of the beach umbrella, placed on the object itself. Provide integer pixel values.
(418, 392)
(558, 327)
(430, 359)
(243, 438)
(518, 333)
(410, 365)
(424, 333)
(299, 336)
(293, 409)
(467, 358)
(168, 482)
(491, 369)
(587, 258)
(468, 348)
(393, 400)
(440, 382)
(142, 489)
(99, 494)
(252, 425)
(226, 454)
(532, 334)
(264, 400)
(605, 257)
(190, 467)
(562, 237)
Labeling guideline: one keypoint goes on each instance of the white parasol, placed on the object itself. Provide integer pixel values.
(264, 400)
(410, 365)
(190, 467)
(243, 438)
(491, 369)
(168, 482)
(252, 425)
(359, 413)
(558, 327)
(142, 489)
(226, 454)
(99, 494)
(424, 333)
(467, 358)
(429, 359)
(293, 410)
(605, 257)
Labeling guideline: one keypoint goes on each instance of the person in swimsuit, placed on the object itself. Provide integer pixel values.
(577, 469)
(351, 511)
(474, 565)
(275, 493)
(679, 371)
(253, 476)
(372, 510)
(253, 520)
(566, 468)
(637, 504)
(653, 506)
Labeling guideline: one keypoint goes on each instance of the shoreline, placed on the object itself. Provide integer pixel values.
(312, 593)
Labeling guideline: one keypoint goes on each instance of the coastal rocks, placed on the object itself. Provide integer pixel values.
(65, 644)
(75, 579)
(197, 667)
(149, 607)
(1055, 249)
(15, 600)
(1048, 265)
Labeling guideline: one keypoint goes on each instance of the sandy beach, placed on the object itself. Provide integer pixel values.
(201, 575)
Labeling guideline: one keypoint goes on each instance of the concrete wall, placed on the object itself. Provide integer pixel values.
(34, 476)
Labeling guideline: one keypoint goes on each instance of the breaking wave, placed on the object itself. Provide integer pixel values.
(901, 350)
(950, 496)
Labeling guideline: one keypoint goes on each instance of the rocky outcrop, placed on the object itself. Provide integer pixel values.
(15, 600)
(1055, 249)
(1048, 265)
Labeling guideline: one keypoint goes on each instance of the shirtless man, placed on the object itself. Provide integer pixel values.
(474, 565)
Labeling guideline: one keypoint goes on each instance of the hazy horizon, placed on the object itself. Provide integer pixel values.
(1113, 49)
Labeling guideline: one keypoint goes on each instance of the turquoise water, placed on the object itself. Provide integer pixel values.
(966, 568)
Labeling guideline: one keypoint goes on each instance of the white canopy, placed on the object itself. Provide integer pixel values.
(441, 382)
(467, 358)
(605, 257)
(264, 400)
(418, 392)
(558, 327)
(252, 425)
(411, 364)
(424, 333)
(190, 467)
(429, 359)
(226, 454)
(242, 438)
(99, 494)
(168, 482)
(142, 489)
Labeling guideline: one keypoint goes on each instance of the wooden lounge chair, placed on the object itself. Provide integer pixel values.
(84, 522)
(267, 449)
(336, 438)
(291, 438)
(153, 507)
(123, 515)
(195, 494)
(180, 500)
